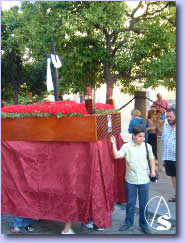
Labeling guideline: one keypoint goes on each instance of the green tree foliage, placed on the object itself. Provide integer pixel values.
(104, 42)
(11, 58)
(19, 76)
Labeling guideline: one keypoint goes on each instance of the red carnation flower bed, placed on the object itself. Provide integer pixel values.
(49, 108)
(41, 122)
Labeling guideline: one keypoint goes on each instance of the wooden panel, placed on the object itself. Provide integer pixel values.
(102, 124)
(67, 129)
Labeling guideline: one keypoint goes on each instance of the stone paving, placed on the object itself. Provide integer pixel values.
(50, 227)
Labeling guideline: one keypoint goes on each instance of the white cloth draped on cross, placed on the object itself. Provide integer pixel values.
(57, 64)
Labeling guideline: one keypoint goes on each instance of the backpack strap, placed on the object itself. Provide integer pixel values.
(147, 154)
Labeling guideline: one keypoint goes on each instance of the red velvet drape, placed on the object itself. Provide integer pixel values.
(62, 181)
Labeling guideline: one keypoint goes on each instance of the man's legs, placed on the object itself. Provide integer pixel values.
(17, 222)
(20, 222)
(173, 179)
(26, 222)
(170, 167)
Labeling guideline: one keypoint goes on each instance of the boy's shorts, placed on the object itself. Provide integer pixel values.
(170, 167)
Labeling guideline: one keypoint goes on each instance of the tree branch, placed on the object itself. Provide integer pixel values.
(115, 35)
(154, 12)
(117, 48)
(129, 76)
(135, 10)
(169, 20)
(133, 21)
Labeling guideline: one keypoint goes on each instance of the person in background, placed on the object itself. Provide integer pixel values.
(161, 104)
(20, 222)
(137, 176)
(137, 120)
(160, 125)
(67, 229)
(152, 128)
(169, 148)
(91, 225)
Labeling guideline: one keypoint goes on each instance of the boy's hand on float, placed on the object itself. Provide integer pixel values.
(113, 139)
(121, 135)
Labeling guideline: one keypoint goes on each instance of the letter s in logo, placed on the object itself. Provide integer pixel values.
(164, 221)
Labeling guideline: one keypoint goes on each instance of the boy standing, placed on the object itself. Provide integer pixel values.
(137, 175)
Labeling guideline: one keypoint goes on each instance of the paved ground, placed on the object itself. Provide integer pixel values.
(161, 189)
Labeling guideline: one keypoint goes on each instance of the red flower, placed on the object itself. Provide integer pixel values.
(100, 106)
(64, 107)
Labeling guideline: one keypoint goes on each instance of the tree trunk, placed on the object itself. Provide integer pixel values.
(17, 80)
(93, 94)
(140, 102)
(109, 78)
(82, 98)
(15, 92)
(109, 85)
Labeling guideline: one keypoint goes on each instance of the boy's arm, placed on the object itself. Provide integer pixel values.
(152, 164)
(152, 160)
(115, 151)
(122, 137)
